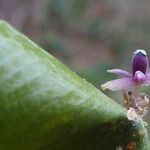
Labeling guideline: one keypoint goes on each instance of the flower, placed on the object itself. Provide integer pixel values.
(139, 75)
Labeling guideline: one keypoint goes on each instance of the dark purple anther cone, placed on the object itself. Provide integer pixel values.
(139, 61)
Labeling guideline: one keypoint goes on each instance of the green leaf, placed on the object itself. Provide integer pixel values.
(44, 105)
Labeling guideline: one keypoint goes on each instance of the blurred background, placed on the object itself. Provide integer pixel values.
(89, 36)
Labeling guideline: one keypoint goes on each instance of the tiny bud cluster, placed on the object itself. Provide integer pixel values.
(137, 105)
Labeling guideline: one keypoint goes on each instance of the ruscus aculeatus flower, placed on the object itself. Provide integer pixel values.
(139, 76)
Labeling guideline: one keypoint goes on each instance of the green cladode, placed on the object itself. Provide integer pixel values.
(46, 106)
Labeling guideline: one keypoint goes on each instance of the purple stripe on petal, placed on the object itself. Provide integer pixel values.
(119, 84)
(120, 72)
(139, 62)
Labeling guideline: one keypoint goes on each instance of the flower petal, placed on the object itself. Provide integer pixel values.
(119, 84)
(147, 79)
(139, 77)
(120, 72)
(147, 75)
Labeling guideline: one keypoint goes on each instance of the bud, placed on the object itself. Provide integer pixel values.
(139, 61)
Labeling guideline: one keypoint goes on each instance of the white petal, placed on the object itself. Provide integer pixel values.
(120, 72)
(119, 84)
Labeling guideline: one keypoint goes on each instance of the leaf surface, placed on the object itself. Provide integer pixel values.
(46, 106)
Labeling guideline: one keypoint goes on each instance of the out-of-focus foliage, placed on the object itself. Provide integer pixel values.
(84, 34)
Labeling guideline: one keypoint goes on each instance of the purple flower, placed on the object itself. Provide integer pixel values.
(139, 75)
